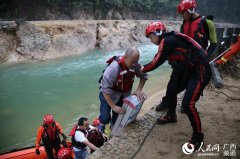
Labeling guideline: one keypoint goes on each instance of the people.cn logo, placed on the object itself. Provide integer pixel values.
(188, 148)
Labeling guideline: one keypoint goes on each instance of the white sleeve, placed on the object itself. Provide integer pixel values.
(80, 137)
(91, 127)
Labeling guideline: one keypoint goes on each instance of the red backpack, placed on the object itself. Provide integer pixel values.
(96, 138)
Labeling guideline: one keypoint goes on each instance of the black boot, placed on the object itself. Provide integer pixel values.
(162, 106)
(166, 119)
(196, 140)
(182, 110)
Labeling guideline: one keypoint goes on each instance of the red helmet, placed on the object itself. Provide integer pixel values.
(185, 5)
(48, 119)
(64, 153)
(154, 26)
(96, 122)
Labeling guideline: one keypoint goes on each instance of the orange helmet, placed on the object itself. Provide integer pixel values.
(64, 153)
(187, 5)
(48, 119)
(153, 27)
(96, 122)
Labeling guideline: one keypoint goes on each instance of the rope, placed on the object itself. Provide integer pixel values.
(227, 95)
(232, 86)
(219, 56)
(228, 86)
(146, 137)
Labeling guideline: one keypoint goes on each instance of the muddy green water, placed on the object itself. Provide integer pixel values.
(66, 88)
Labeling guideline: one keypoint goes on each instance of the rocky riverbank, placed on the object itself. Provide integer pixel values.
(44, 40)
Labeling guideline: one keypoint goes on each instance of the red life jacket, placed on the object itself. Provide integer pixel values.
(93, 136)
(196, 30)
(125, 78)
(50, 134)
(74, 128)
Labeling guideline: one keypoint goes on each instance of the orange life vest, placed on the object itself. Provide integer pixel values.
(50, 134)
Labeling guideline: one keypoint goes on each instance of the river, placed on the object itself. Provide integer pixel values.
(65, 87)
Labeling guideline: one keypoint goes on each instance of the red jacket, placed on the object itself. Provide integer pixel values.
(234, 49)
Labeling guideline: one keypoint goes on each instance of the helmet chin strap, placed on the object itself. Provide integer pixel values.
(158, 33)
(191, 10)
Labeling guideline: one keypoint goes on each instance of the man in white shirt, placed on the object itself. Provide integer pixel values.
(80, 141)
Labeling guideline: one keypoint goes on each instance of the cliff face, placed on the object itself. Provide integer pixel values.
(52, 39)
(44, 40)
(223, 10)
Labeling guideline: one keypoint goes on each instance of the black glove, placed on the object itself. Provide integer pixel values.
(37, 152)
(64, 136)
(64, 143)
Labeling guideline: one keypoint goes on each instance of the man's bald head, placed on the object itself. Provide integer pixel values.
(131, 57)
(132, 51)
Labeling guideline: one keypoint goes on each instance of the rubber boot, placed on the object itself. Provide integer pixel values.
(196, 140)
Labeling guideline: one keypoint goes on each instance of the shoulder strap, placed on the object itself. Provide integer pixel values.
(182, 27)
(210, 17)
(120, 60)
(204, 25)
(200, 25)
(109, 61)
(45, 129)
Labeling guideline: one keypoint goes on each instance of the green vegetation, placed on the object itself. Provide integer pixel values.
(223, 10)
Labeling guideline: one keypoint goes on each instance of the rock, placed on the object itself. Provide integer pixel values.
(126, 14)
(8, 43)
(117, 15)
(98, 14)
(63, 17)
(123, 136)
(102, 32)
(110, 14)
(52, 39)
(121, 146)
(108, 148)
(34, 41)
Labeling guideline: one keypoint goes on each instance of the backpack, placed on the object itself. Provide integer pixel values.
(199, 37)
(96, 138)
